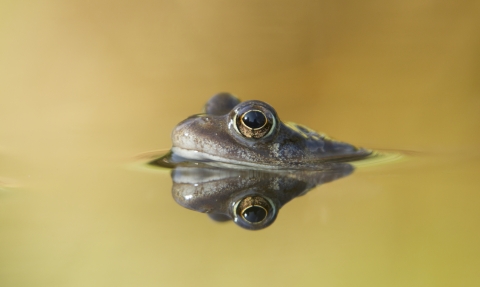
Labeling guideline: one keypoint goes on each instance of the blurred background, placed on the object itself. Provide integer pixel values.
(85, 86)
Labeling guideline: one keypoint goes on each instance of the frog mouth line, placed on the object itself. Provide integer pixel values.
(202, 156)
(195, 155)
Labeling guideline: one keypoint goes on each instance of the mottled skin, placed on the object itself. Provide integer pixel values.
(215, 136)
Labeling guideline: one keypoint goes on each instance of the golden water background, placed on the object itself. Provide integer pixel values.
(85, 86)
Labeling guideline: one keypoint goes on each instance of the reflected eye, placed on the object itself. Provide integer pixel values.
(254, 214)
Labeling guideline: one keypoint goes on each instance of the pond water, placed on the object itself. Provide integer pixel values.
(88, 88)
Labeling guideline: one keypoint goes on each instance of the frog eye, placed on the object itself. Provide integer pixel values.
(253, 120)
(255, 123)
(254, 212)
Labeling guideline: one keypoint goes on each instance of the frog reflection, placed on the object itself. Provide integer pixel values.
(251, 134)
(251, 198)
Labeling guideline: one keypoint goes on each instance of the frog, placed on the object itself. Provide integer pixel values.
(250, 133)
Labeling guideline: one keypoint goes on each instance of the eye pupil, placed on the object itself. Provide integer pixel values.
(254, 214)
(254, 119)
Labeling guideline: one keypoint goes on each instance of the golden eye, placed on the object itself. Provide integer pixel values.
(253, 120)
(253, 210)
(254, 124)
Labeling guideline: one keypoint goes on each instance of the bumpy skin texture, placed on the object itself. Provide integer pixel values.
(216, 137)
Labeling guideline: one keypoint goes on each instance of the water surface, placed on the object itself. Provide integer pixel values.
(86, 87)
